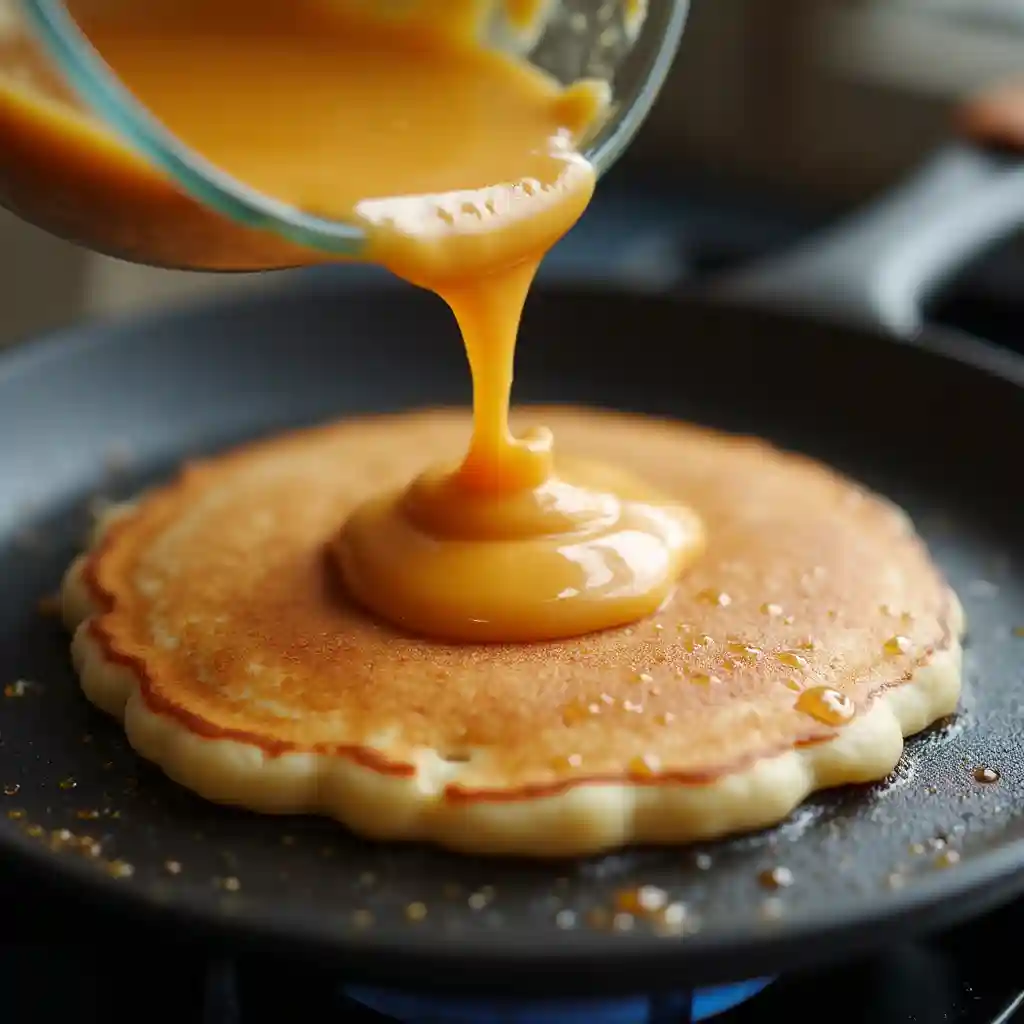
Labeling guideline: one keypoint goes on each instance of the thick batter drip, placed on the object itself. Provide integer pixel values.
(461, 164)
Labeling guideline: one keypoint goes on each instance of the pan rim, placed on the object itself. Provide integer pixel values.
(580, 960)
(26, 352)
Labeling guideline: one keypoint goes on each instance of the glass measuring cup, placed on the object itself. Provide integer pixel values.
(196, 216)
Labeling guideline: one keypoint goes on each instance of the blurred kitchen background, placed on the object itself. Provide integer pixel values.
(779, 114)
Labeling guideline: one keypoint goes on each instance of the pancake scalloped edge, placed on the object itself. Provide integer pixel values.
(584, 818)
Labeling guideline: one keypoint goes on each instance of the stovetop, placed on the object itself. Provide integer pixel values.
(63, 960)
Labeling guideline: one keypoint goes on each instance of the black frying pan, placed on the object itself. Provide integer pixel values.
(933, 419)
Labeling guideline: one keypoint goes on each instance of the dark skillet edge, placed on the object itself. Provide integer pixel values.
(576, 963)
(947, 342)
(28, 353)
(943, 341)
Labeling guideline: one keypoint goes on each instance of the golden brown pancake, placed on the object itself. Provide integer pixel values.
(813, 635)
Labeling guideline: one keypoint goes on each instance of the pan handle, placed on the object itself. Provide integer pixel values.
(879, 266)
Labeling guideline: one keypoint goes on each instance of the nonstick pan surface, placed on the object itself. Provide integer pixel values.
(97, 413)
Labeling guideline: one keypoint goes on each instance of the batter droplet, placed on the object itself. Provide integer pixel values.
(674, 919)
(825, 705)
(565, 762)
(747, 652)
(580, 711)
(704, 679)
(791, 659)
(695, 642)
(779, 877)
(897, 645)
(646, 765)
(644, 900)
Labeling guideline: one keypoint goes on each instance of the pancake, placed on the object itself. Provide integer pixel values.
(813, 635)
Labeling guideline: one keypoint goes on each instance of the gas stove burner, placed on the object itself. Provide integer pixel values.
(684, 1008)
